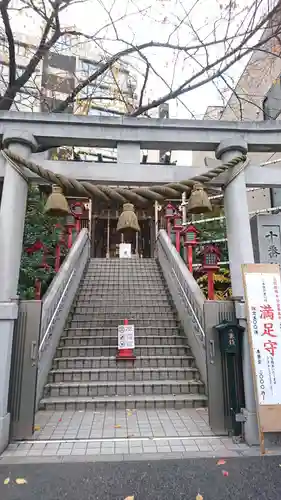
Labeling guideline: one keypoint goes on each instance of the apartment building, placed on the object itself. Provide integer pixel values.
(248, 102)
(69, 62)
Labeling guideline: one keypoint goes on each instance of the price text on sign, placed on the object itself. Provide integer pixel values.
(126, 337)
(264, 305)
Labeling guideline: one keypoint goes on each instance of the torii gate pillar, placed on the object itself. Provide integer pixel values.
(240, 250)
(12, 215)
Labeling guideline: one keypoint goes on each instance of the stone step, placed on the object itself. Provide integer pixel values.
(95, 340)
(123, 402)
(124, 294)
(120, 280)
(107, 351)
(115, 315)
(60, 363)
(112, 289)
(115, 297)
(119, 374)
(118, 314)
(144, 274)
(127, 301)
(112, 331)
(129, 284)
(113, 323)
(144, 263)
(121, 309)
(124, 388)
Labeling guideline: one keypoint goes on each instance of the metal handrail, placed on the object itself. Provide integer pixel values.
(55, 311)
(189, 304)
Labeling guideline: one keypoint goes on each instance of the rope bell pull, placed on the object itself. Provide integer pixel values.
(56, 204)
(198, 202)
(128, 220)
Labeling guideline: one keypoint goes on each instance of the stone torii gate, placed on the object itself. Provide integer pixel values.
(22, 133)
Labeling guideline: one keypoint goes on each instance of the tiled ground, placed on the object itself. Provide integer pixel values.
(122, 424)
(123, 432)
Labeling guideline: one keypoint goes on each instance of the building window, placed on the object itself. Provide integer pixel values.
(19, 71)
(87, 67)
(3, 45)
(64, 43)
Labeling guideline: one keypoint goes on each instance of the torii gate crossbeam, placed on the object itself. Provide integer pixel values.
(53, 130)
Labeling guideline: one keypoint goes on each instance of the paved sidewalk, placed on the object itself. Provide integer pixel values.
(112, 434)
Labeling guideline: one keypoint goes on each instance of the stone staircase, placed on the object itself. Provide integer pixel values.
(85, 373)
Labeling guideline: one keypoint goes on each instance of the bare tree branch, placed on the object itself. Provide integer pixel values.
(232, 38)
(8, 30)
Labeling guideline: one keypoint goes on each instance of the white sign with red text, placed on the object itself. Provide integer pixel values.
(263, 292)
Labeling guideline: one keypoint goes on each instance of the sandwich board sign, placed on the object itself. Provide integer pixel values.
(125, 250)
(263, 304)
(126, 337)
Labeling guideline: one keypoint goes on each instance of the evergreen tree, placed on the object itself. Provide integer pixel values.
(209, 232)
(39, 228)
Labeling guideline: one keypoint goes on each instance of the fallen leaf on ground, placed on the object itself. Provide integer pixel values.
(7, 480)
(225, 473)
(199, 497)
(117, 426)
(221, 462)
(130, 498)
(21, 480)
(37, 428)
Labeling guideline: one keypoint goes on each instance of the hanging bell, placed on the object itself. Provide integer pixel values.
(56, 204)
(128, 220)
(199, 202)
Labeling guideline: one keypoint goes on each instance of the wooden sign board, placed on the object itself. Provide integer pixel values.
(263, 302)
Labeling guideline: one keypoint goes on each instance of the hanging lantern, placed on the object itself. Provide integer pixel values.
(199, 202)
(56, 204)
(128, 220)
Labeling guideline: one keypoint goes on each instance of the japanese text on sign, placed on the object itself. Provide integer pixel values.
(263, 296)
(126, 337)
